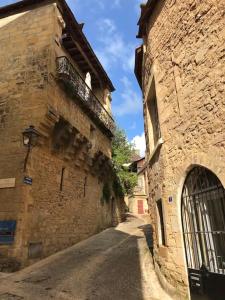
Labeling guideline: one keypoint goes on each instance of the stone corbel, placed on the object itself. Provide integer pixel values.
(46, 126)
(65, 140)
(99, 165)
(62, 135)
(74, 144)
(81, 157)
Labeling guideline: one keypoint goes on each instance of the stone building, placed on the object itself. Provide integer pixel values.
(55, 130)
(137, 202)
(180, 68)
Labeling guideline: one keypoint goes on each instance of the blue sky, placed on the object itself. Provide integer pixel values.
(110, 26)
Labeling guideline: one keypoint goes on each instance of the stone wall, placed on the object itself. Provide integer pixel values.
(185, 54)
(54, 212)
(25, 44)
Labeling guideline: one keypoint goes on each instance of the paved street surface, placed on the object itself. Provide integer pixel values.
(113, 265)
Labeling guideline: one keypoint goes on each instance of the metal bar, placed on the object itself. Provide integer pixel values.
(68, 74)
(215, 232)
(195, 238)
(206, 190)
(204, 224)
(222, 233)
(194, 221)
(186, 237)
(193, 241)
(203, 218)
(86, 86)
(208, 232)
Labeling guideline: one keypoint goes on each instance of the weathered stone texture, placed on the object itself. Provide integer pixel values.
(185, 52)
(52, 213)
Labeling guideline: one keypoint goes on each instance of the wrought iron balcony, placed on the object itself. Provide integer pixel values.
(78, 88)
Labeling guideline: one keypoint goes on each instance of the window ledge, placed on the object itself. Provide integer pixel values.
(157, 147)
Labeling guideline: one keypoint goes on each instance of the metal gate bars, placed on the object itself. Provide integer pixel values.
(203, 216)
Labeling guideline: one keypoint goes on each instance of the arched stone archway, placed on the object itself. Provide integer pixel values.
(203, 221)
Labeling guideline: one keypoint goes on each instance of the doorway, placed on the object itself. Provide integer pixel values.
(140, 207)
(203, 219)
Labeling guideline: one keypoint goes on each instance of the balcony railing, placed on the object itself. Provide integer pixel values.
(78, 88)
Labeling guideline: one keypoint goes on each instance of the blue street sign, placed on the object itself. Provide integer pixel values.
(28, 180)
(7, 232)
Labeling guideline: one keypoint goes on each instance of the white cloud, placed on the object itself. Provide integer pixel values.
(131, 102)
(133, 126)
(131, 62)
(94, 5)
(139, 143)
(116, 3)
(113, 49)
(103, 4)
(106, 25)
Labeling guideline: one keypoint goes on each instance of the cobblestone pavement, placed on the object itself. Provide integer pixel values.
(112, 265)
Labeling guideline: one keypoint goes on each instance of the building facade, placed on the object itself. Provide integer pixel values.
(180, 68)
(55, 130)
(137, 202)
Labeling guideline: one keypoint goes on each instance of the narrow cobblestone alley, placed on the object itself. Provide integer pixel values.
(115, 264)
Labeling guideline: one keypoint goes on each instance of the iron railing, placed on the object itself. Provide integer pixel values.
(77, 86)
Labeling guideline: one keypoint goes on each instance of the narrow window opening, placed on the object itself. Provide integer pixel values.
(88, 80)
(154, 132)
(85, 184)
(62, 178)
(92, 135)
(92, 132)
(161, 231)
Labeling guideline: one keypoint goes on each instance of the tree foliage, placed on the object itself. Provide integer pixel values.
(122, 152)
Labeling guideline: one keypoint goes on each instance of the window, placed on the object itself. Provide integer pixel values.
(154, 133)
(93, 135)
(62, 178)
(92, 132)
(140, 182)
(88, 80)
(7, 232)
(161, 228)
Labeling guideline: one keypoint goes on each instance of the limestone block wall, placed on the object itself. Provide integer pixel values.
(59, 218)
(57, 210)
(25, 43)
(185, 54)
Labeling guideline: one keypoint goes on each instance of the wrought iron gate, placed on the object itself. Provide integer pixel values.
(203, 217)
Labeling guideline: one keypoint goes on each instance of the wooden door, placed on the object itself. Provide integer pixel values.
(140, 207)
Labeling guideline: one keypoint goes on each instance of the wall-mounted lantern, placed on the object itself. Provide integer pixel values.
(30, 137)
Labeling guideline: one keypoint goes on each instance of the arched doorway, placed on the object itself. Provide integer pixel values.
(203, 219)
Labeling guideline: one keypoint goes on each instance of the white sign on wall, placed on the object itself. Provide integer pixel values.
(7, 183)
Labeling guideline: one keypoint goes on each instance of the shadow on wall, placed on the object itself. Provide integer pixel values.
(148, 232)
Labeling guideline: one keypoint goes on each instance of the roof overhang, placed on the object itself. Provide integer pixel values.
(138, 64)
(146, 11)
(134, 165)
(88, 59)
(142, 169)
